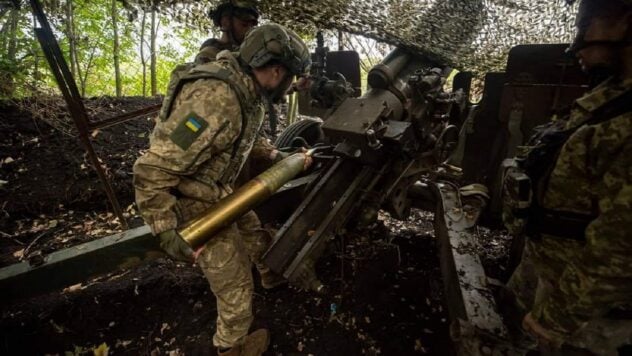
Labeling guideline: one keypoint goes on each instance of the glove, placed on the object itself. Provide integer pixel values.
(175, 246)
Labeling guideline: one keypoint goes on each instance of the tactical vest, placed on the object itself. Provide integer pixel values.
(526, 178)
(223, 169)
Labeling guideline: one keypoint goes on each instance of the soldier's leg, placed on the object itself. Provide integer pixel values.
(226, 265)
(257, 240)
(524, 281)
(517, 298)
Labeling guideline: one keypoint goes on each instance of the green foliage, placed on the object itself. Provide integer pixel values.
(25, 72)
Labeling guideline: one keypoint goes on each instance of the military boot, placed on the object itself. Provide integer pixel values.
(269, 279)
(255, 344)
(233, 351)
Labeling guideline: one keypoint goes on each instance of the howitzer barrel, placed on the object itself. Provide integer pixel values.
(383, 74)
(197, 232)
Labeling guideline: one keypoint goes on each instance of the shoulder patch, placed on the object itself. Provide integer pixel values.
(188, 130)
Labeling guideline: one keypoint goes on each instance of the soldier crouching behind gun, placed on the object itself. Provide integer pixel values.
(207, 128)
(574, 283)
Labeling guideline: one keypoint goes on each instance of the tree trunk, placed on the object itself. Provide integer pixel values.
(143, 60)
(4, 29)
(36, 74)
(117, 68)
(7, 84)
(70, 33)
(12, 46)
(83, 74)
(152, 66)
(82, 80)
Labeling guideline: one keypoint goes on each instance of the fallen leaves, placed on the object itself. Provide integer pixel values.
(419, 347)
(164, 328)
(102, 350)
(19, 254)
(63, 229)
(58, 328)
(73, 288)
(122, 343)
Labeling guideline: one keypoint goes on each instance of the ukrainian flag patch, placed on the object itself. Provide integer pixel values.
(193, 124)
(188, 130)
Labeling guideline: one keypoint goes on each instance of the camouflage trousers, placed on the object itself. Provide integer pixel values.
(226, 261)
(535, 278)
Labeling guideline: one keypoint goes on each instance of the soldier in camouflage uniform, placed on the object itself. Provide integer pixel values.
(234, 18)
(207, 128)
(576, 290)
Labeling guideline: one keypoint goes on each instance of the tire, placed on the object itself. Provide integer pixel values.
(306, 131)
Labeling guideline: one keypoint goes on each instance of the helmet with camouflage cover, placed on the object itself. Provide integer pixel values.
(242, 9)
(274, 43)
(589, 9)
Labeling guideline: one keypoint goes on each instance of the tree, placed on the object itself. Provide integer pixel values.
(92, 35)
(9, 64)
(70, 34)
(116, 52)
(143, 60)
(152, 68)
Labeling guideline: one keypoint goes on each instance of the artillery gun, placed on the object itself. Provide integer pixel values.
(408, 143)
(405, 143)
(376, 148)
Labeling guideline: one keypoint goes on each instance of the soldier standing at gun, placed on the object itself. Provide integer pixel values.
(574, 283)
(234, 18)
(207, 128)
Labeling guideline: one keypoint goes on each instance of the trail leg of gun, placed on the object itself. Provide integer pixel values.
(299, 242)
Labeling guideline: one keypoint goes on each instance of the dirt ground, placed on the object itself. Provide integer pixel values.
(48, 190)
(385, 292)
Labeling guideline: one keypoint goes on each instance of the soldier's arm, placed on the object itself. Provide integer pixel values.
(205, 120)
(262, 149)
(602, 278)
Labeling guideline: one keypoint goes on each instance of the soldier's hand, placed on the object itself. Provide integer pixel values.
(278, 156)
(175, 246)
(548, 340)
(301, 84)
(308, 159)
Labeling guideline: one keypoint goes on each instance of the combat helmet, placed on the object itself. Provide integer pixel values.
(242, 9)
(589, 9)
(273, 42)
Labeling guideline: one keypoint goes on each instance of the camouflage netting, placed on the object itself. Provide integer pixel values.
(467, 34)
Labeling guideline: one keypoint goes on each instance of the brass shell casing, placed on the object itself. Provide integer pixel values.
(198, 231)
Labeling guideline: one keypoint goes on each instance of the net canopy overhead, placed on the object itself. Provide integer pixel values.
(466, 34)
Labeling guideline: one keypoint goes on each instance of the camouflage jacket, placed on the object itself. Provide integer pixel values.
(593, 175)
(185, 168)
